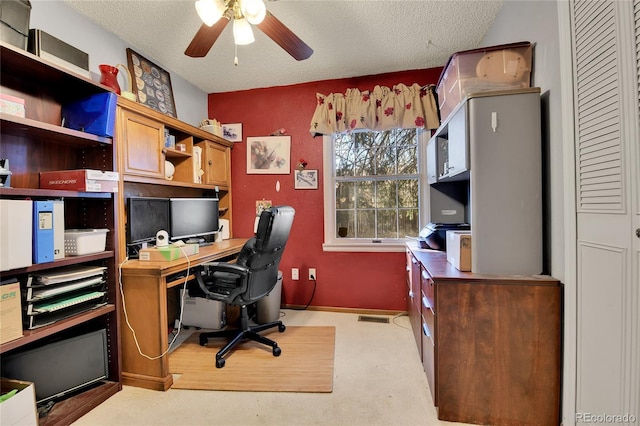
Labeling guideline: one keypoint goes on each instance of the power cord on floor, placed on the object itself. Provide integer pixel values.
(126, 316)
(396, 316)
(315, 283)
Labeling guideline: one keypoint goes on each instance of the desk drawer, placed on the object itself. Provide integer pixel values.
(429, 353)
(428, 290)
(428, 322)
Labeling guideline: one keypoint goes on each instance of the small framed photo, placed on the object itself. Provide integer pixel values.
(269, 155)
(306, 179)
(232, 132)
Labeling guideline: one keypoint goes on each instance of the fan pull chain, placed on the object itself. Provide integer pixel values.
(235, 59)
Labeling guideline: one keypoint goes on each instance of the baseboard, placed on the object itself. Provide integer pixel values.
(359, 311)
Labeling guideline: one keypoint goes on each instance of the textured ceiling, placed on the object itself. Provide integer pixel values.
(349, 38)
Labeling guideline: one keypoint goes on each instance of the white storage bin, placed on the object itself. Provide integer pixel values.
(84, 241)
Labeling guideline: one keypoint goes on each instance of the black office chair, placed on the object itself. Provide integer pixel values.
(251, 278)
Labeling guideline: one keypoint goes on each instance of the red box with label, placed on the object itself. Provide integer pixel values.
(83, 180)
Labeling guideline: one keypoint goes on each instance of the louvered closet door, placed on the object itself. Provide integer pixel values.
(606, 89)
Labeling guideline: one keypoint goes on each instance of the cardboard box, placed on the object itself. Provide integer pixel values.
(83, 180)
(459, 249)
(19, 409)
(203, 313)
(12, 105)
(169, 253)
(10, 312)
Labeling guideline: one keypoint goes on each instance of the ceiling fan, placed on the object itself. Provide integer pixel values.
(216, 14)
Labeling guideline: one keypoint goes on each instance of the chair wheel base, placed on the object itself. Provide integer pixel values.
(220, 362)
(203, 340)
(282, 328)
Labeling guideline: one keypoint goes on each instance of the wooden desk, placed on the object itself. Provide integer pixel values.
(145, 287)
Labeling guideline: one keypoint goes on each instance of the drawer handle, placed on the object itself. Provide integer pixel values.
(411, 294)
(425, 330)
(425, 275)
(425, 302)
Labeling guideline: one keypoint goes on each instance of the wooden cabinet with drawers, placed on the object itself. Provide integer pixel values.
(490, 344)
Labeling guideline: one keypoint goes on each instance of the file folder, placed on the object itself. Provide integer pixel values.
(64, 275)
(42, 231)
(58, 229)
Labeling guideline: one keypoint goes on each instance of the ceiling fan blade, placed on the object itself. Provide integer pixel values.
(205, 38)
(284, 37)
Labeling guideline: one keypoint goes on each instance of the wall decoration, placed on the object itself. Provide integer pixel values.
(269, 155)
(232, 132)
(152, 84)
(262, 205)
(306, 179)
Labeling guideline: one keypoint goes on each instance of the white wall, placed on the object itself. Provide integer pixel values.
(104, 47)
(537, 22)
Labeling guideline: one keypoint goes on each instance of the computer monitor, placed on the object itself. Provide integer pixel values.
(145, 217)
(193, 218)
(61, 367)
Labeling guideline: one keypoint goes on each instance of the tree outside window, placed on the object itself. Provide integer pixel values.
(377, 182)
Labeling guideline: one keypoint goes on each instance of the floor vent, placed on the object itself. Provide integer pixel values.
(367, 318)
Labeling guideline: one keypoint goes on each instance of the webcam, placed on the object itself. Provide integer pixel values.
(162, 239)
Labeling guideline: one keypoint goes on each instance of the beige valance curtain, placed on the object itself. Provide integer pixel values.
(381, 109)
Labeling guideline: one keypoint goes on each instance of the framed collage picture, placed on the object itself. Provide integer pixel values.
(151, 83)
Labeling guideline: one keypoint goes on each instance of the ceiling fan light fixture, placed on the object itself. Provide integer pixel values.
(242, 32)
(254, 10)
(210, 10)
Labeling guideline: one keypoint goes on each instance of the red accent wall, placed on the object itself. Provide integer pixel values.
(348, 280)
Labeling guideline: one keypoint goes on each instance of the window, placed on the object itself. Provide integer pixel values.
(372, 189)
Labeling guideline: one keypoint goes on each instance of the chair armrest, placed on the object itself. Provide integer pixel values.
(224, 281)
(232, 268)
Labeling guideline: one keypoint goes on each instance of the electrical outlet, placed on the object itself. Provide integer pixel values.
(312, 274)
(295, 274)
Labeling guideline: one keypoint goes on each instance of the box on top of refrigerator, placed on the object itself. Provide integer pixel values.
(487, 69)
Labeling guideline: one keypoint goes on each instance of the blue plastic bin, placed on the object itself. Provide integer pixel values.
(95, 114)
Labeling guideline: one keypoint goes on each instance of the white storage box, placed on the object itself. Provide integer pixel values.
(203, 313)
(20, 409)
(16, 228)
(84, 241)
(459, 249)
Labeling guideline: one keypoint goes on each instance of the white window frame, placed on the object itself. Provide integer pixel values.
(331, 243)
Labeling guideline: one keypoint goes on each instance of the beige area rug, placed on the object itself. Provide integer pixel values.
(305, 365)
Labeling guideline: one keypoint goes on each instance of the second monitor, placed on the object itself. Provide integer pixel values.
(193, 219)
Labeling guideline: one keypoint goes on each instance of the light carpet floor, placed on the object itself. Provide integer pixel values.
(305, 364)
(378, 381)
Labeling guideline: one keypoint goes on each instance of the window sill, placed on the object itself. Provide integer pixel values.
(398, 246)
